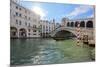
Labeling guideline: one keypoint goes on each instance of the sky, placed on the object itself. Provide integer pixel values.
(57, 11)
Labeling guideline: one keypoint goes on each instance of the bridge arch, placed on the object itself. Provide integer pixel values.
(67, 29)
(64, 34)
(72, 24)
(82, 24)
(89, 24)
(76, 23)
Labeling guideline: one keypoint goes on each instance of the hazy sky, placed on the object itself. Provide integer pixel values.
(57, 11)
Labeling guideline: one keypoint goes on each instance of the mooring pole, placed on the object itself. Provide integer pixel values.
(78, 34)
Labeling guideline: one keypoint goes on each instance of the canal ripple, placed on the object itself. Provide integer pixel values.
(47, 51)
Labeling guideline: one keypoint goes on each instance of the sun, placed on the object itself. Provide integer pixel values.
(39, 11)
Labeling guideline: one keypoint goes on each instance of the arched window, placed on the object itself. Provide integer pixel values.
(13, 31)
(22, 32)
(89, 24)
(82, 24)
(76, 23)
(68, 24)
(72, 24)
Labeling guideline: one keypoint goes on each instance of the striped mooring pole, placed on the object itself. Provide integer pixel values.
(78, 34)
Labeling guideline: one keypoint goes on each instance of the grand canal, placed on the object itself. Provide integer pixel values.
(48, 51)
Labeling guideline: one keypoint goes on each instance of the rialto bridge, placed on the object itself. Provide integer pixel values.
(87, 27)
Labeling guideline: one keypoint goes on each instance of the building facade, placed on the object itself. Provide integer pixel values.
(23, 22)
(46, 27)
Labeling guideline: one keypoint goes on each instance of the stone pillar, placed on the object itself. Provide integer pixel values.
(73, 24)
(85, 24)
(18, 33)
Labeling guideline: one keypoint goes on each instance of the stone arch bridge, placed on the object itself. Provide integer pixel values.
(83, 31)
(87, 27)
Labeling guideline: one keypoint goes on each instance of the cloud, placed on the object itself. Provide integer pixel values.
(79, 10)
(91, 16)
(39, 11)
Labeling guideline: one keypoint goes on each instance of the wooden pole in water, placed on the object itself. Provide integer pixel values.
(78, 34)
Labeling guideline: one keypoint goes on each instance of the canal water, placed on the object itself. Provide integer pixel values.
(48, 51)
